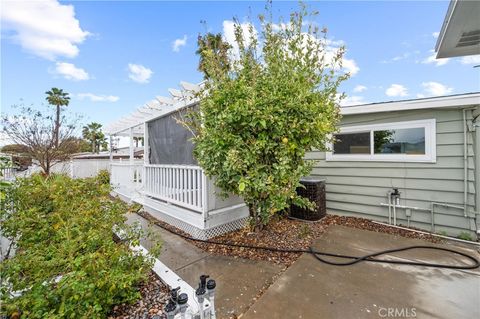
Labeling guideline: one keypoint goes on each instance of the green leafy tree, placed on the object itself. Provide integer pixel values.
(67, 263)
(212, 46)
(93, 134)
(277, 100)
(57, 98)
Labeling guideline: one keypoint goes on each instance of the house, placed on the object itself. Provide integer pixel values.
(425, 150)
(414, 162)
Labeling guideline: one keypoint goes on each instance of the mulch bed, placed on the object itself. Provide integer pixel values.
(287, 233)
(149, 306)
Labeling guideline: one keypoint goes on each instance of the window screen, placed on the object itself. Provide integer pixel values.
(352, 143)
(169, 142)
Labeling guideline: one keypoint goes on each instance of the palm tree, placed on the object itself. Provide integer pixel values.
(93, 134)
(57, 98)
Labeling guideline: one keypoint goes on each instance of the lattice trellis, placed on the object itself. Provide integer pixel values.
(196, 232)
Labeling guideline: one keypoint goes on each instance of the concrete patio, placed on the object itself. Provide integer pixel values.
(311, 289)
(238, 280)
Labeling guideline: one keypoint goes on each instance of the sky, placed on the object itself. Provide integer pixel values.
(114, 56)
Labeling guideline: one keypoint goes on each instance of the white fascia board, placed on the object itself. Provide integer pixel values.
(455, 101)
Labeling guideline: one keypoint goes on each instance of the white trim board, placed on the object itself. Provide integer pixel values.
(452, 101)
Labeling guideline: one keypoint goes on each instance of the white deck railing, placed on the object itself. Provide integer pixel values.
(181, 185)
(126, 176)
(8, 173)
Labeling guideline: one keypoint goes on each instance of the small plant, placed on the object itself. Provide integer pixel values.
(443, 233)
(465, 236)
(103, 177)
(304, 232)
(68, 264)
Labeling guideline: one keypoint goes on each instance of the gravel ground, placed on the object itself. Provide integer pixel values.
(287, 233)
(150, 306)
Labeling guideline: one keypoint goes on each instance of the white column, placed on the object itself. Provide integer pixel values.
(131, 146)
(111, 148)
(146, 151)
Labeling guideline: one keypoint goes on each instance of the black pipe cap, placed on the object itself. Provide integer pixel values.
(203, 280)
(211, 284)
(182, 299)
(170, 306)
(200, 291)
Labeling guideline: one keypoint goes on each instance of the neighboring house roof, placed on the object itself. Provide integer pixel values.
(449, 101)
(460, 33)
(136, 154)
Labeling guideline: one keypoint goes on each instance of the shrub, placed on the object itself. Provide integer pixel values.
(276, 101)
(67, 263)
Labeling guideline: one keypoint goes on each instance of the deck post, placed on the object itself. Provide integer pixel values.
(111, 149)
(131, 149)
(146, 156)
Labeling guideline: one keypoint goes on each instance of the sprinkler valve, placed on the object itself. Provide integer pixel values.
(200, 294)
(182, 304)
(211, 285)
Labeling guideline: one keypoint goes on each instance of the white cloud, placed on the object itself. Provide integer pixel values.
(359, 88)
(70, 72)
(139, 73)
(471, 59)
(435, 34)
(45, 28)
(432, 59)
(248, 31)
(353, 100)
(435, 89)
(97, 98)
(396, 90)
(350, 66)
(397, 58)
(178, 43)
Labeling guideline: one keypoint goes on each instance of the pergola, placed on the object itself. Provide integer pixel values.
(133, 125)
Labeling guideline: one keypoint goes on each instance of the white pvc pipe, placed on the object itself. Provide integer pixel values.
(465, 164)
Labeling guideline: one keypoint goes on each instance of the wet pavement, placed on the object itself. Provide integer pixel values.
(310, 289)
(238, 280)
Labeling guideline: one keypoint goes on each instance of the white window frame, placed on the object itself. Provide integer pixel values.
(430, 155)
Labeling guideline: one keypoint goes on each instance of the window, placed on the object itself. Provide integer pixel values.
(412, 141)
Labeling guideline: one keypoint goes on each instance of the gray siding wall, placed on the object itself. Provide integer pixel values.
(358, 188)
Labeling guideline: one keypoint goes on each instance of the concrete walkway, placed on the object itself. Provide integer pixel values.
(238, 280)
(310, 289)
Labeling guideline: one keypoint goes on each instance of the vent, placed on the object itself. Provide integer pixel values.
(469, 39)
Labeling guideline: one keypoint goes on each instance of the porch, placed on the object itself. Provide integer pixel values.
(180, 195)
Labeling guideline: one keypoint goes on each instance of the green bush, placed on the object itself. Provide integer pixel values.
(67, 263)
(258, 117)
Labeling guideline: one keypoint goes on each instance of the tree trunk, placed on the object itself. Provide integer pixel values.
(57, 126)
(256, 222)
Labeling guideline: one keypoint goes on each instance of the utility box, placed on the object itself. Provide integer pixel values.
(315, 191)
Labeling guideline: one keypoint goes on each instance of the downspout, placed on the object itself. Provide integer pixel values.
(465, 163)
(476, 128)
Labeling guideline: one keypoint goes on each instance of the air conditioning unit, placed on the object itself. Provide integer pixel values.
(315, 191)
